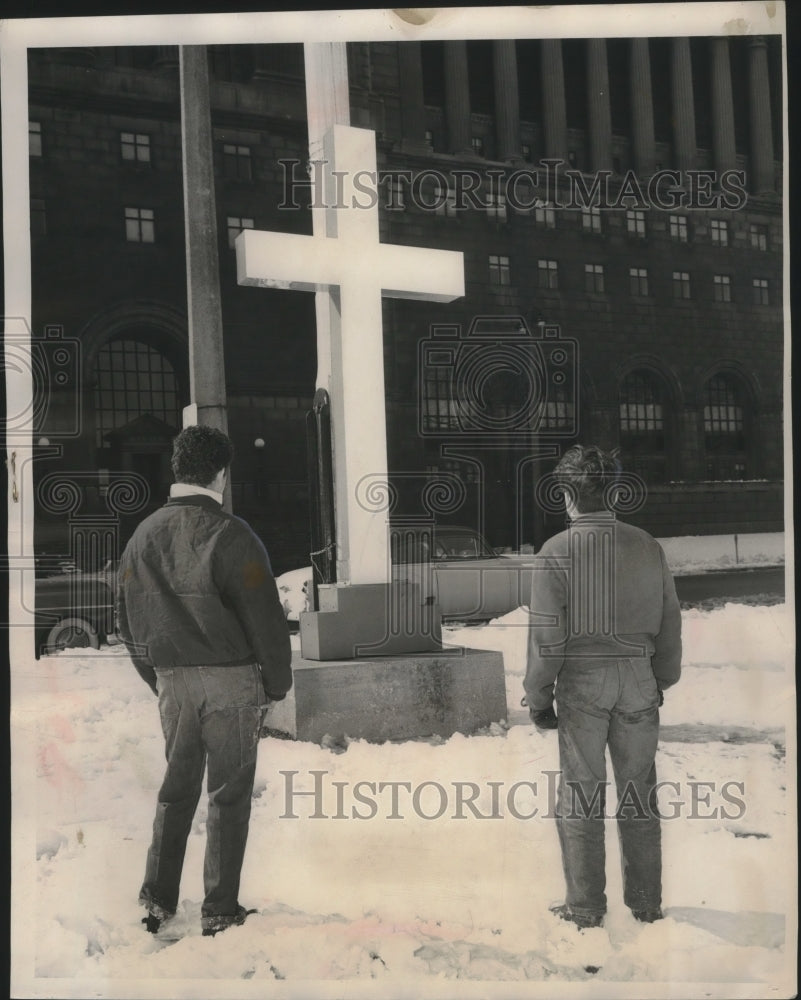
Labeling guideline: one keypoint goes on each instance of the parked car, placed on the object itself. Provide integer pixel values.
(455, 567)
(74, 609)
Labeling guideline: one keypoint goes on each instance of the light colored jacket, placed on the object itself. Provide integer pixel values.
(602, 588)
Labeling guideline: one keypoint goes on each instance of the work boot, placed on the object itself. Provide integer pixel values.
(581, 920)
(156, 915)
(222, 921)
(648, 916)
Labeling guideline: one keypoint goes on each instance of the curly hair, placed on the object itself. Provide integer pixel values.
(585, 472)
(199, 453)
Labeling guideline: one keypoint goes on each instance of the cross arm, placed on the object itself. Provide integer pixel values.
(287, 260)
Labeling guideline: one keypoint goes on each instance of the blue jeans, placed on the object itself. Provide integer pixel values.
(610, 702)
(209, 713)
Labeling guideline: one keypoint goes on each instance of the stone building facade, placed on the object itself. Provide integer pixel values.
(623, 196)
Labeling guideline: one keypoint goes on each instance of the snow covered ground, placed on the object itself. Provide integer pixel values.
(428, 890)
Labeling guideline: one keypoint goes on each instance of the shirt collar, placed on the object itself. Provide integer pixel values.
(595, 515)
(190, 490)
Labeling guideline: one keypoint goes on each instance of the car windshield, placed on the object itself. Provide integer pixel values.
(461, 545)
(418, 546)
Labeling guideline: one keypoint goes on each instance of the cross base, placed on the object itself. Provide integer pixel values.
(372, 619)
(392, 698)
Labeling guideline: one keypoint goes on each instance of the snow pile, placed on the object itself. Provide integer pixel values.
(419, 887)
(700, 553)
(294, 588)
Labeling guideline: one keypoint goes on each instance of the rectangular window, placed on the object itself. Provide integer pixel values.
(235, 227)
(638, 280)
(678, 228)
(525, 149)
(721, 288)
(429, 136)
(635, 222)
(559, 407)
(38, 217)
(139, 225)
(591, 219)
(135, 147)
(396, 195)
(759, 236)
(439, 409)
(496, 206)
(499, 270)
(761, 295)
(547, 274)
(544, 215)
(719, 231)
(34, 138)
(681, 285)
(237, 162)
(594, 278)
(477, 145)
(443, 200)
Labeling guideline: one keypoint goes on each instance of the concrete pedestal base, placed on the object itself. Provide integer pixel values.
(393, 698)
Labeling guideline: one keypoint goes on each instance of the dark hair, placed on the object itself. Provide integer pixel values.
(586, 472)
(199, 453)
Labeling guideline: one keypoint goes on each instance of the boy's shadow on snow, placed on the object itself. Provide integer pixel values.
(747, 928)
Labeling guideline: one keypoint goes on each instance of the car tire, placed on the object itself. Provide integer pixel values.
(71, 633)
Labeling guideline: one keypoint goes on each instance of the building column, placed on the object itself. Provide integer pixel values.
(598, 106)
(412, 105)
(457, 98)
(762, 166)
(723, 148)
(642, 107)
(261, 63)
(166, 58)
(690, 463)
(553, 99)
(682, 106)
(507, 100)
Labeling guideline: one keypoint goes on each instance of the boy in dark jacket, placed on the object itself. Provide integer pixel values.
(198, 608)
(606, 635)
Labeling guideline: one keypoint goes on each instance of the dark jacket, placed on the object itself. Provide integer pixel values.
(195, 588)
(643, 606)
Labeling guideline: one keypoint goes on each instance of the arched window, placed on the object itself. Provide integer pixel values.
(133, 379)
(725, 429)
(642, 426)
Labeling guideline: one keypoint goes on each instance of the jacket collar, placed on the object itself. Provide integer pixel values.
(194, 500)
(189, 490)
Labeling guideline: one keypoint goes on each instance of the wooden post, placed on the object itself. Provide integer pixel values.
(206, 356)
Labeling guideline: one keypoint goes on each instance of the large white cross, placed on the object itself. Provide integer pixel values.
(350, 263)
